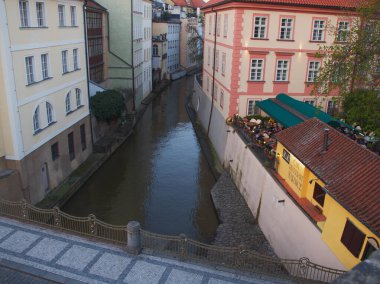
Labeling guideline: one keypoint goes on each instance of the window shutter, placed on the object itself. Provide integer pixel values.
(357, 243)
(352, 238)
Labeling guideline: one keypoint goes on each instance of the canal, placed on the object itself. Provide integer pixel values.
(158, 177)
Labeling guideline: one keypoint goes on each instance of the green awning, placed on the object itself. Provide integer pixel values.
(278, 113)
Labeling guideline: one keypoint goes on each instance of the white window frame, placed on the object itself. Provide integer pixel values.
(256, 69)
(217, 60)
(76, 58)
(73, 16)
(45, 66)
(61, 15)
(343, 30)
(223, 63)
(65, 66)
(282, 70)
(36, 120)
(78, 97)
(218, 22)
(286, 30)
(68, 102)
(225, 27)
(260, 28)
(24, 13)
(318, 32)
(29, 67)
(251, 107)
(313, 70)
(49, 113)
(41, 18)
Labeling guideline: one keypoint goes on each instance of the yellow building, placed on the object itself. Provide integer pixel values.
(337, 184)
(45, 128)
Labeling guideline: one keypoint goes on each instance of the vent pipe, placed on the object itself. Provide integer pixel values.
(326, 140)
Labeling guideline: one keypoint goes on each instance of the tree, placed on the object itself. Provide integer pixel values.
(363, 107)
(352, 63)
(107, 105)
(195, 41)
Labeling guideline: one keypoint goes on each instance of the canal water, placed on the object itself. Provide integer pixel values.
(158, 177)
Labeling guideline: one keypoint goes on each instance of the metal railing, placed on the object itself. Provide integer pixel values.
(134, 239)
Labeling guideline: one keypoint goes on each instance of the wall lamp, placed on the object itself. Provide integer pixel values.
(281, 201)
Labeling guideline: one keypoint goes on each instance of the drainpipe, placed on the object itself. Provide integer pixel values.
(213, 74)
(87, 65)
(133, 66)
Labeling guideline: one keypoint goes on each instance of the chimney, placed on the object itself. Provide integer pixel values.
(325, 140)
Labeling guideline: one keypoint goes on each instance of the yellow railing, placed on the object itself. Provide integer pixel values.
(178, 246)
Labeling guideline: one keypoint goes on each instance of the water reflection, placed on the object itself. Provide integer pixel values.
(158, 177)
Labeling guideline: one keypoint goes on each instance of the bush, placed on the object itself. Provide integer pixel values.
(107, 105)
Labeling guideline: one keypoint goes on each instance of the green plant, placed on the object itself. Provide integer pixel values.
(107, 105)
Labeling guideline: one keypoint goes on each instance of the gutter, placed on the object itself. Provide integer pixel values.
(213, 74)
(133, 67)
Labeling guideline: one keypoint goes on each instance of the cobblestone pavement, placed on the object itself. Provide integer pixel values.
(57, 257)
(238, 226)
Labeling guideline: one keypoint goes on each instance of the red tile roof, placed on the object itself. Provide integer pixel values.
(351, 173)
(197, 3)
(181, 3)
(336, 4)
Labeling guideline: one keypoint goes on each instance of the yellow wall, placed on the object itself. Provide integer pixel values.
(336, 215)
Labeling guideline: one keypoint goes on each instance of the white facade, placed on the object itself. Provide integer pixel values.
(173, 37)
(147, 48)
(44, 93)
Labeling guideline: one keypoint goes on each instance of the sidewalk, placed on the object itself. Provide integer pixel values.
(57, 257)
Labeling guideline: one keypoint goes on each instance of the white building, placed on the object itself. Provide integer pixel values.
(147, 48)
(44, 108)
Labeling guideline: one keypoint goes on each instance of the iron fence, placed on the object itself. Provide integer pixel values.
(177, 246)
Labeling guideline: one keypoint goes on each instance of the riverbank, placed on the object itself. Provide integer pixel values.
(59, 195)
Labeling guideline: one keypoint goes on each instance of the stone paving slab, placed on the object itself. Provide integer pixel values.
(62, 258)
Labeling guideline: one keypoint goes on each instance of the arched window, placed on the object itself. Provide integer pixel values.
(155, 50)
(68, 103)
(36, 119)
(78, 96)
(49, 113)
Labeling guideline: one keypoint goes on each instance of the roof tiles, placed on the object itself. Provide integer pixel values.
(351, 173)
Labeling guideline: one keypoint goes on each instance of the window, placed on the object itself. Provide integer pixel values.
(216, 60)
(83, 137)
(343, 29)
(64, 61)
(369, 249)
(332, 107)
(73, 13)
(210, 25)
(208, 55)
(256, 73)
(24, 13)
(215, 94)
(75, 59)
(286, 29)
(221, 98)
(61, 15)
(282, 70)
(219, 19)
(54, 151)
(319, 194)
(223, 63)
(44, 66)
(29, 69)
(318, 30)
(310, 102)
(40, 10)
(352, 238)
(286, 155)
(70, 140)
(260, 26)
(313, 71)
(68, 103)
(49, 113)
(78, 97)
(213, 30)
(252, 109)
(208, 84)
(36, 120)
(225, 27)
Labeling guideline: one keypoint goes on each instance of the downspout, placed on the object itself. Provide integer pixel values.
(87, 66)
(133, 66)
(213, 74)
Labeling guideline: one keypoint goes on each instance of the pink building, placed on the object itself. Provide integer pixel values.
(263, 48)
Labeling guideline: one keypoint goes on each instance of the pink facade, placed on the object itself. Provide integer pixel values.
(263, 50)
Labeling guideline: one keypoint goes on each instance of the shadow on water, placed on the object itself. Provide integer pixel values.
(158, 177)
